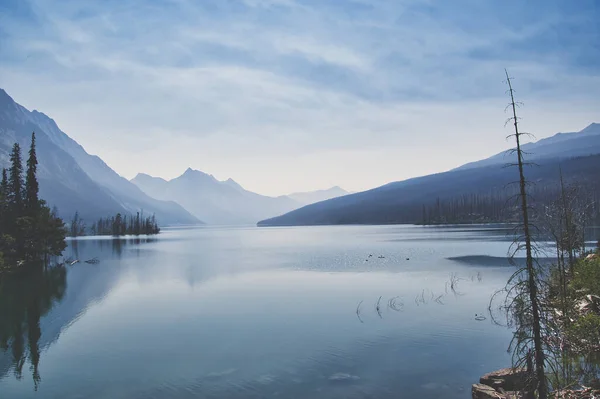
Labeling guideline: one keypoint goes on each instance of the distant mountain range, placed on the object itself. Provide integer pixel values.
(311, 197)
(560, 146)
(225, 202)
(404, 201)
(70, 178)
(73, 180)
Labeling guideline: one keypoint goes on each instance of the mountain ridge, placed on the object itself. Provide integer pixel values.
(403, 201)
(580, 143)
(72, 179)
(215, 202)
(218, 202)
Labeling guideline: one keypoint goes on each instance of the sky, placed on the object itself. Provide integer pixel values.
(298, 95)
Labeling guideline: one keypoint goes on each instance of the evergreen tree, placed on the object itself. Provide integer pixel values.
(3, 202)
(15, 238)
(3, 215)
(15, 182)
(120, 225)
(28, 229)
(52, 232)
(4, 184)
(116, 229)
(31, 199)
(77, 226)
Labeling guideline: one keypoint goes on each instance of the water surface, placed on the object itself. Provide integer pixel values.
(260, 313)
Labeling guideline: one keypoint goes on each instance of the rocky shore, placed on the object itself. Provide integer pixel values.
(512, 384)
(505, 383)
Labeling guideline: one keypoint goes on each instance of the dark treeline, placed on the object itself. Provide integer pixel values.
(469, 208)
(497, 206)
(118, 225)
(500, 205)
(29, 230)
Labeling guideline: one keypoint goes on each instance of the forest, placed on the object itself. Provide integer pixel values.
(29, 230)
(118, 225)
(500, 205)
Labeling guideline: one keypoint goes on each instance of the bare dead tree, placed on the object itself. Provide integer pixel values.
(528, 306)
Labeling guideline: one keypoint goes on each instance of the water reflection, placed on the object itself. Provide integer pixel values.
(265, 312)
(82, 246)
(24, 299)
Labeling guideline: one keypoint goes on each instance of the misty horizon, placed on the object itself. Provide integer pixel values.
(176, 175)
(354, 95)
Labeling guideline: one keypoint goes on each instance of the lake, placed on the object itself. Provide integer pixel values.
(299, 312)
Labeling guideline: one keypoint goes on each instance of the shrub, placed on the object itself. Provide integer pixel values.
(587, 277)
(586, 332)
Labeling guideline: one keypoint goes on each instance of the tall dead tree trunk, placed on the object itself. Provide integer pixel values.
(531, 271)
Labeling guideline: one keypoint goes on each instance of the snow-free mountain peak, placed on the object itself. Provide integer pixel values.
(232, 183)
(214, 201)
(225, 202)
(559, 146)
(197, 175)
(72, 179)
(593, 128)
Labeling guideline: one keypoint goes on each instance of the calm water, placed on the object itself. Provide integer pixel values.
(259, 313)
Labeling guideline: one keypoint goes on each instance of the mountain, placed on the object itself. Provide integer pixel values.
(70, 178)
(213, 201)
(559, 146)
(306, 198)
(405, 201)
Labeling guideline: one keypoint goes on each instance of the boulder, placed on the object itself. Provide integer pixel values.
(482, 391)
(508, 379)
(589, 303)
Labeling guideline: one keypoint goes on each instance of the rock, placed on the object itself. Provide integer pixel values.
(591, 257)
(481, 391)
(508, 379)
(590, 303)
(595, 299)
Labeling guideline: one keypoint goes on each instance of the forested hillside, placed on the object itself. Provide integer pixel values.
(475, 195)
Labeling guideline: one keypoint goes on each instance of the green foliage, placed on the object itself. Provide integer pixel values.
(586, 278)
(31, 199)
(585, 331)
(77, 227)
(15, 181)
(29, 230)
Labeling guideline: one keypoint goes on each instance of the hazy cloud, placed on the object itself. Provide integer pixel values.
(286, 95)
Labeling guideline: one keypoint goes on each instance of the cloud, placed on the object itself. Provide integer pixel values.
(283, 80)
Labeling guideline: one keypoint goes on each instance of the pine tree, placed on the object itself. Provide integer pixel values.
(4, 184)
(3, 215)
(52, 232)
(117, 225)
(29, 230)
(31, 198)
(3, 201)
(15, 182)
